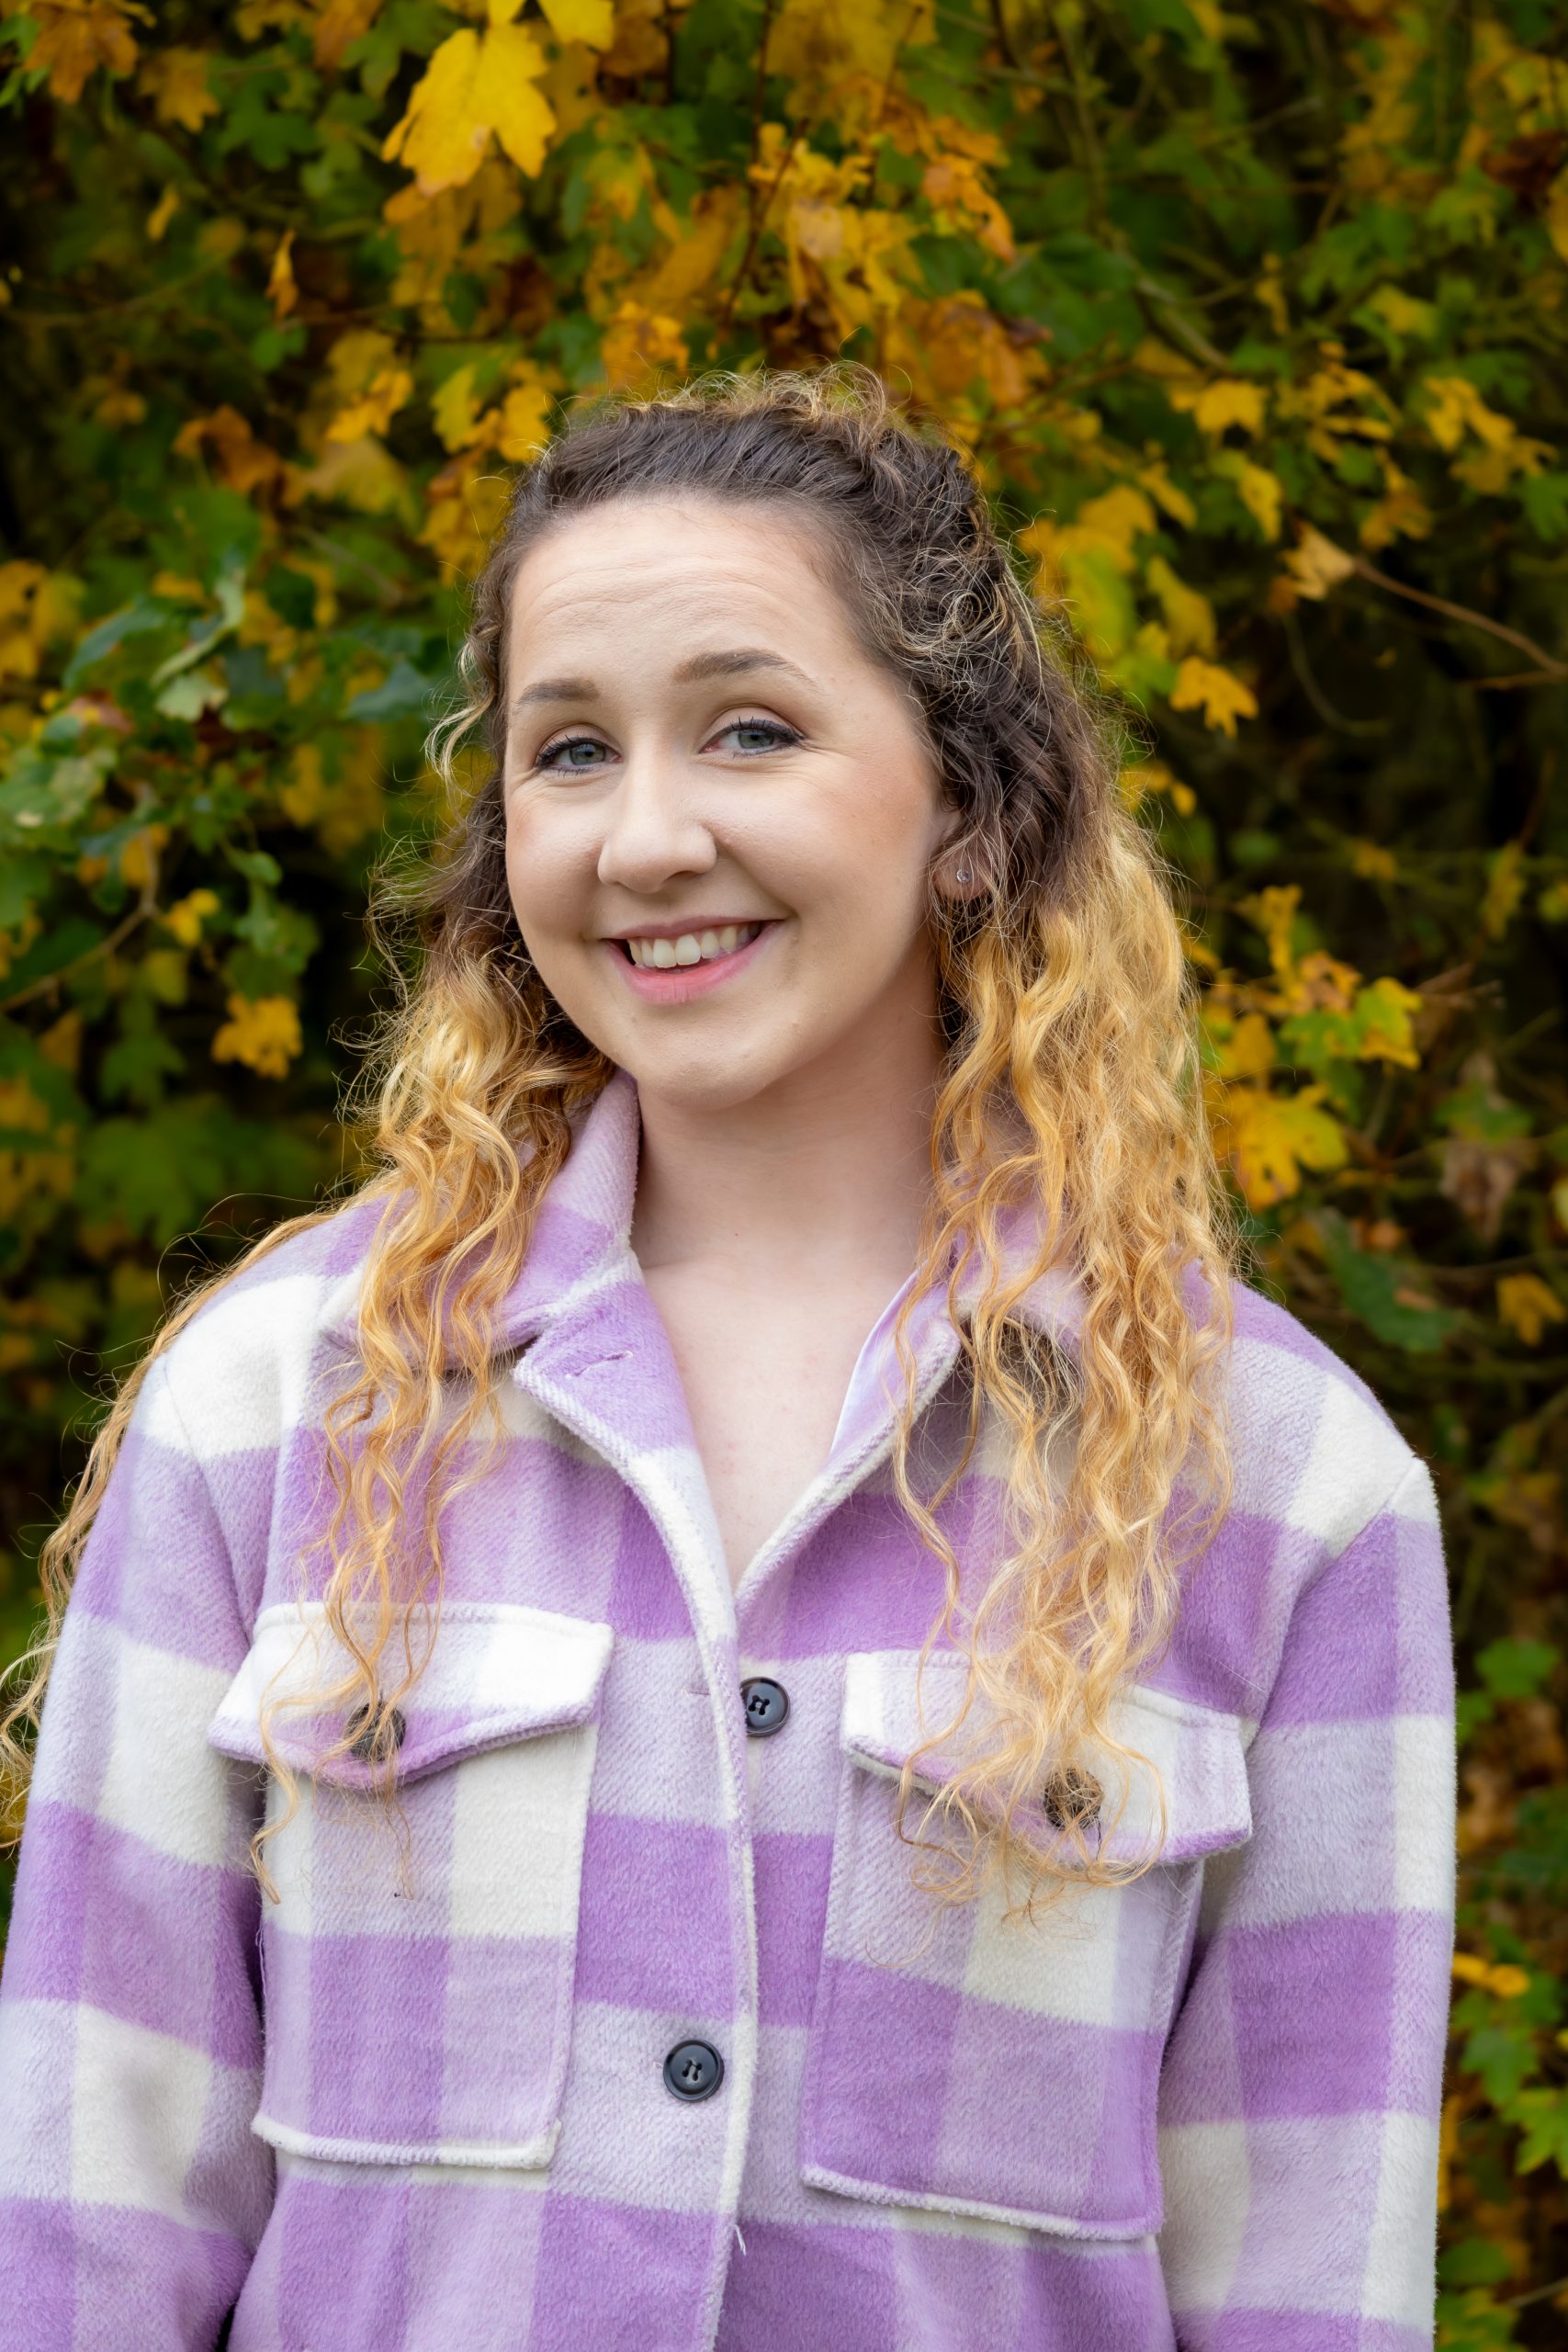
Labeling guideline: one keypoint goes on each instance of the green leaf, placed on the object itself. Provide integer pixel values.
(1516, 1667)
(1370, 1286)
(401, 691)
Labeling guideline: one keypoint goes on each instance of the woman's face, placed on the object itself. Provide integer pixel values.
(720, 814)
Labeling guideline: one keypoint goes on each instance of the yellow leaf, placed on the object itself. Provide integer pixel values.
(1316, 565)
(456, 410)
(441, 138)
(1269, 1139)
(75, 37)
(139, 858)
(1383, 1009)
(1271, 292)
(519, 114)
(302, 798)
(593, 22)
(1167, 497)
(1505, 889)
(1453, 406)
(1217, 407)
(1274, 912)
(237, 457)
(1400, 513)
(1243, 1048)
(339, 23)
(638, 343)
(1260, 492)
(522, 425)
(262, 1032)
(363, 474)
(1372, 862)
(1555, 215)
(1189, 616)
(388, 390)
(1157, 358)
(1219, 694)
(282, 292)
(1401, 313)
(474, 85)
(162, 212)
(1527, 1305)
(176, 80)
(185, 916)
(355, 357)
(1508, 1981)
(1153, 777)
(1106, 526)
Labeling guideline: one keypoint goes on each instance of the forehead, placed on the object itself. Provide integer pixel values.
(659, 568)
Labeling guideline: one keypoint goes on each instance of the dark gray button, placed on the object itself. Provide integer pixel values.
(767, 1706)
(358, 1727)
(693, 2070)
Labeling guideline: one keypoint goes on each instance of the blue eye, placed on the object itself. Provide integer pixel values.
(754, 735)
(573, 751)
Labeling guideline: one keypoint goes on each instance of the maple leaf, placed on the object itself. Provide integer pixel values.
(262, 1032)
(1189, 616)
(593, 22)
(176, 80)
(1315, 565)
(339, 23)
(238, 458)
(75, 37)
(1270, 1138)
(1219, 694)
(1527, 1305)
(476, 83)
(388, 390)
(1214, 408)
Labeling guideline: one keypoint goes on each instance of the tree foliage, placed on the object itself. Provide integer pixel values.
(1256, 324)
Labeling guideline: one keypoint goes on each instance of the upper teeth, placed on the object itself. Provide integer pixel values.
(692, 946)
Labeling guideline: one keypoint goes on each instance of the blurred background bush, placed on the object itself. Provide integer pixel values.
(1255, 322)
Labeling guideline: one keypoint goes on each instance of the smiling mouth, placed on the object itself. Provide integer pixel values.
(689, 948)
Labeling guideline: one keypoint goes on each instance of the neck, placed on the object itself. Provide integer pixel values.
(826, 1171)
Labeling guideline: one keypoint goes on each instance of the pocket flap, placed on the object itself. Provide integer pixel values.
(1198, 1753)
(495, 1673)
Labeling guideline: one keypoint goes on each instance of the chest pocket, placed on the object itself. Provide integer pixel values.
(418, 1963)
(1010, 2071)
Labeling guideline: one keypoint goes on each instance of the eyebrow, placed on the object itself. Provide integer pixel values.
(726, 664)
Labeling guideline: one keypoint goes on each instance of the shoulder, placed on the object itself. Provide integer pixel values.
(1314, 1449)
(237, 1376)
(1330, 1552)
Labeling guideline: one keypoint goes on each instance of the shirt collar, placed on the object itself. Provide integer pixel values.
(583, 1241)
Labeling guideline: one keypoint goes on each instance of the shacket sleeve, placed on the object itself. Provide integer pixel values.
(132, 2192)
(1302, 2081)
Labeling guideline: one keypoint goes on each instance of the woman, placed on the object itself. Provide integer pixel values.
(846, 1741)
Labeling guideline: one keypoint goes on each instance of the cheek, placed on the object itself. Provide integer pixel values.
(543, 862)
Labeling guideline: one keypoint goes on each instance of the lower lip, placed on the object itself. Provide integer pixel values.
(680, 982)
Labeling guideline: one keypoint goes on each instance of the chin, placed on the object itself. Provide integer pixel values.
(720, 1077)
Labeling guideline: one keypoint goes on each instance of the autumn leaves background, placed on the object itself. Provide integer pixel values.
(1256, 322)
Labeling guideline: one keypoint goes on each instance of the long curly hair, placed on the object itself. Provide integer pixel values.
(1070, 1093)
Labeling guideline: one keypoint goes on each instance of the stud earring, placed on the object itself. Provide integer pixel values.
(962, 875)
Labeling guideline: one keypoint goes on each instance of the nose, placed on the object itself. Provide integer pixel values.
(653, 827)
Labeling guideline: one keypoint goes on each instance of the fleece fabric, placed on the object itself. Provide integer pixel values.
(419, 2102)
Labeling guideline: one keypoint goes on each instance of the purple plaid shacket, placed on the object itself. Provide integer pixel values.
(419, 2104)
